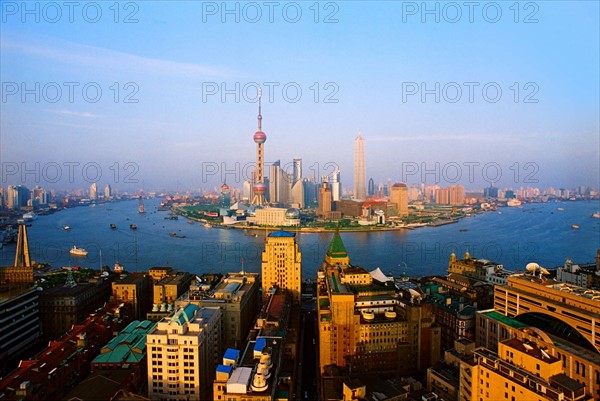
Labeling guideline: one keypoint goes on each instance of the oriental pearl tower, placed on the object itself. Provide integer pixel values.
(259, 188)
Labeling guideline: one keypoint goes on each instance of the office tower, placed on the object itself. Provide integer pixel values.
(237, 295)
(17, 196)
(324, 200)
(371, 187)
(39, 195)
(282, 264)
(442, 196)
(2, 202)
(93, 192)
(396, 334)
(490, 192)
(107, 191)
(183, 352)
(360, 192)
(456, 195)
(399, 197)
(135, 289)
(298, 196)
(336, 186)
(225, 197)
(258, 184)
(297, 171)
(413, 193)
(310, 192)
(280, 185)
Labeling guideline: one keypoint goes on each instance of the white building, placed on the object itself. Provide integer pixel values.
(183, 352)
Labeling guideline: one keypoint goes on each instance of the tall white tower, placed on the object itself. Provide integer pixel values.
(360, 191)
(258, 186)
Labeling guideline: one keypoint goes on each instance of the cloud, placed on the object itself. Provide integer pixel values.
(66, 112)
(96, 57)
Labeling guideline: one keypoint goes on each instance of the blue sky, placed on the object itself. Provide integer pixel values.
(369, 61)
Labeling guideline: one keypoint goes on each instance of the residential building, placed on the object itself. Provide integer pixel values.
(282, 264)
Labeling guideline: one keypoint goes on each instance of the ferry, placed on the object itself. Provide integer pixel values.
(29, 216)
(596, 215)
(78, 251)
(560, 209)
(513, 203)
(66, 228)
(575, 226)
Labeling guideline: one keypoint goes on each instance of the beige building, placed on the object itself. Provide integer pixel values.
(399, 197)
(367, 325)
(282, 264)
(183, 352)
(518, 371)
(275, 217)
(135, 289)
(237, 296)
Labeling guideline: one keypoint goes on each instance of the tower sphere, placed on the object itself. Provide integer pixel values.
(260, 137)
(259, 188)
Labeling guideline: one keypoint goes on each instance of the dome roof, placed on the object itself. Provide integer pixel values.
(292, 213)
(260, 137)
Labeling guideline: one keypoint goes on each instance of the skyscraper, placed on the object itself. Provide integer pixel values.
(399, 196)
(282, 264)
(297, 170)
(371, 187)
(107, 191)
(359, 168)
(336, 186)
(93, 191)
(259, 188)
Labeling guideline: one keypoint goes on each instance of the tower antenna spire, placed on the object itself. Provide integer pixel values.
(259, 108)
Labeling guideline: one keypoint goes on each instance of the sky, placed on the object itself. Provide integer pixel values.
(162, 95)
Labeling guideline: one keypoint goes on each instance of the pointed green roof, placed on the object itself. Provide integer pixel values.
(336, 247)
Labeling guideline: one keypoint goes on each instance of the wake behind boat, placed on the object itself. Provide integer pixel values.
(78, 251)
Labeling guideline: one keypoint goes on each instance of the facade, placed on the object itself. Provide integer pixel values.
(19, 323)
(64, 306)
(260, 371)
(360, 192)
(552, 303)
(518, 371)
(324, 200)
(237, 296)
(136, 289)
(367, 325)
(582, 275)
(399, 197)
(282, 264)
(275, 217)
(165, 293)
(183, 351)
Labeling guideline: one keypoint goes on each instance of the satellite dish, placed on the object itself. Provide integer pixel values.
(532, 267)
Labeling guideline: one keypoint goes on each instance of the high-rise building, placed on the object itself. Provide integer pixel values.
(236, 295)
(183, 352)
(490, 192)
(359, 168)
(399, 197)
(371, 187)
(280, 185)
(93, 192)
(225, 197)
(336, 186)
(324, 200)
(367, 324)
(282, 264)
(298, 196)
(297, 171)
(17, 196)
(39, 195)
(135, 289)
(107, 191)
(258, 184)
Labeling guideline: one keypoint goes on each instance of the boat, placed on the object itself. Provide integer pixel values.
(133, 226)
(207, 225)
(66, 228)
(29, 216)
(513, 203)
(596, 215)
(463, 229)
(575, 226)
(190, 222)
(141, 208)
(112, 226)
(78, 251)
(560, 208)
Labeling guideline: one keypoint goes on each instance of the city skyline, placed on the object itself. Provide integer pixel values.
(196, 104)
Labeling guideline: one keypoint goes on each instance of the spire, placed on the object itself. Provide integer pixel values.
(259, 109)
(22, 258)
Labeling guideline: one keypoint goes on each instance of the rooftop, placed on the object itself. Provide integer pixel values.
(336, 247)
(531, 350)
(129, 346)
(282, 234)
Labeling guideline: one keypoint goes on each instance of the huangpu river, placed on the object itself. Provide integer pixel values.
(532, 233)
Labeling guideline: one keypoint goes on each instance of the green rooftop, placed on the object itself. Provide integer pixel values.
(129, 346)
(515, 324)
(336, 247)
